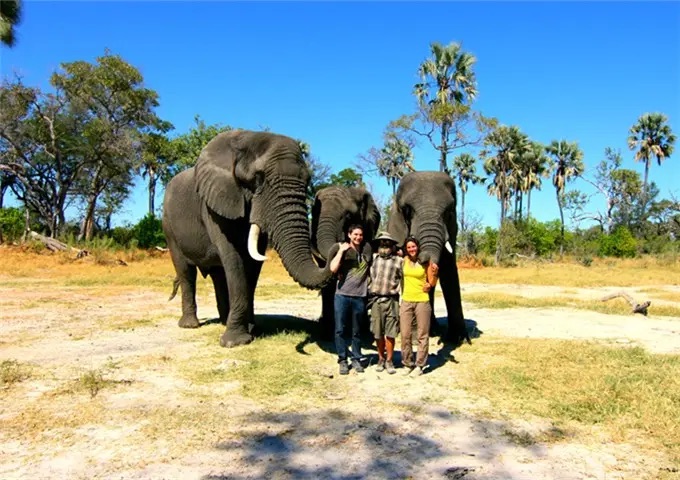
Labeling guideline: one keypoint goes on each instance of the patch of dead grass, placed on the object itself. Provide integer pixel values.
(617, 306)
(633, 394)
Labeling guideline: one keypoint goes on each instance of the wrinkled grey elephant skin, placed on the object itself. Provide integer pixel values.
(335, 209)
(246, 188)
(425, 207)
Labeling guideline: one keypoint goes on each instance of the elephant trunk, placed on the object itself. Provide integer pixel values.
(290, 234)
(431, 234)
(328, 233)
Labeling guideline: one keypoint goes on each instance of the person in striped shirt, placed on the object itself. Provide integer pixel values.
(384, 289)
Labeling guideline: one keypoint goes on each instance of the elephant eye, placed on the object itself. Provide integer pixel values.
(259, 182)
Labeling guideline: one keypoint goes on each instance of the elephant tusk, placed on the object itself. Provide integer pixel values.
(253, 237)
(448, 247)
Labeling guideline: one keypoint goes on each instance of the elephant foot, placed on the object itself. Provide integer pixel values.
(234, 338)
(188, 321)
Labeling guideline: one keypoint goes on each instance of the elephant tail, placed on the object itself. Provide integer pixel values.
(175, 286)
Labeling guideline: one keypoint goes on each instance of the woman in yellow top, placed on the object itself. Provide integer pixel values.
(419, 278)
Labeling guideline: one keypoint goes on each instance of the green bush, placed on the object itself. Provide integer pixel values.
(620, 243)
(12, 223)
(123, 235)
(149, 232)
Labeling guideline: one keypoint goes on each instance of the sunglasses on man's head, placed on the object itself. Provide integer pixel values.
(385, 243)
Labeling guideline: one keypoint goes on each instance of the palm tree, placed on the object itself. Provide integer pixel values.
(537, 167)
(567, 164)
(465, 172)
(10, 17)
(652, 136)
(395, 159)
(507, 143)
(448, 87)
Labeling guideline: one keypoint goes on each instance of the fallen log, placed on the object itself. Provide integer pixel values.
(55, 245)
(637, 307)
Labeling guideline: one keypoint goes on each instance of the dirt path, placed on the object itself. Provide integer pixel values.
(402, 436)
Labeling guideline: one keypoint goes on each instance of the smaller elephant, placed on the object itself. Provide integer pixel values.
(425, 206)
(335, 209)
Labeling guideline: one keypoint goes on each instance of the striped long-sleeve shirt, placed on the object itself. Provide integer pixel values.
(386, 275)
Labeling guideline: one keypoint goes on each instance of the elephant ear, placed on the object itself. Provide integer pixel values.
(224, 170)
(368, 212)
(397, 226)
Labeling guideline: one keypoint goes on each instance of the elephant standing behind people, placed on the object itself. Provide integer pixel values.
(425, 207)
(218, 215)
(335, 209)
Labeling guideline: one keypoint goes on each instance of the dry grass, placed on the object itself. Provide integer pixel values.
(634, 395)
(621, 273)
(611, 307)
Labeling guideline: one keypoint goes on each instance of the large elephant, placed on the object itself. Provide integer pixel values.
(218, 215)
(335, 209)
(425, 207)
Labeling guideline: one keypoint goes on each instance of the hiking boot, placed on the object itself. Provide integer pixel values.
(416, 372)
(343, 367)
(389, 366)
(408, 369)
(380, 366)
(357, 366)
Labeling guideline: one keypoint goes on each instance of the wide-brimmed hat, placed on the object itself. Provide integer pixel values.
(384, 236)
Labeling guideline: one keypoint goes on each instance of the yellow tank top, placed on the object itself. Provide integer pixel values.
(414, 279)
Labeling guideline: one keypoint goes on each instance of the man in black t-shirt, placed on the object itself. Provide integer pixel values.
(351, 262)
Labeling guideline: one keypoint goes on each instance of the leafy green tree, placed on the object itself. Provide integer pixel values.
(156, 160)
(391, 161)
(10, 17)
(347, 177)
(319, 171)
(445, 94)
(567, 165)
(503, 148)
(465, 173)
(653, 138)
(116, 108)
(39, 160)
(185, 148)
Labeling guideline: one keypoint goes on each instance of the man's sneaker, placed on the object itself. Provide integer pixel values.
(416, 372)
(344, 369)
(357, 366)
(389, 366)
(380, 366)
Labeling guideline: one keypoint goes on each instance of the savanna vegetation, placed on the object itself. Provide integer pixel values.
(70, 156)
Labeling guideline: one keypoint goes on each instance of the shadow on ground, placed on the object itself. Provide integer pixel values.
(336, 444)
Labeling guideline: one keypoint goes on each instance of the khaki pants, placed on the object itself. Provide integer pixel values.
(418, 314)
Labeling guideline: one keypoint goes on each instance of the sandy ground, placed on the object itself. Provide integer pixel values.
(59, 329)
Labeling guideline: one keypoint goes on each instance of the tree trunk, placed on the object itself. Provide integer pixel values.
(443, 146)
(152, 191)
(462, 211)
(528, 204)
(559, 205)
(87, 227)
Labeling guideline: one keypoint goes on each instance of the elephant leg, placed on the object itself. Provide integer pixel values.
(253, 269)
(435, 329)
(327, 320)
(187, 282)
(221, 292)
(450, 284)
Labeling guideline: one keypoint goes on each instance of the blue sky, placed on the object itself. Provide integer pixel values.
(335, 73)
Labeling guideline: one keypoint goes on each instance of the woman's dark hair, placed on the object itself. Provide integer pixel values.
(353, 227)
(414, 240)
